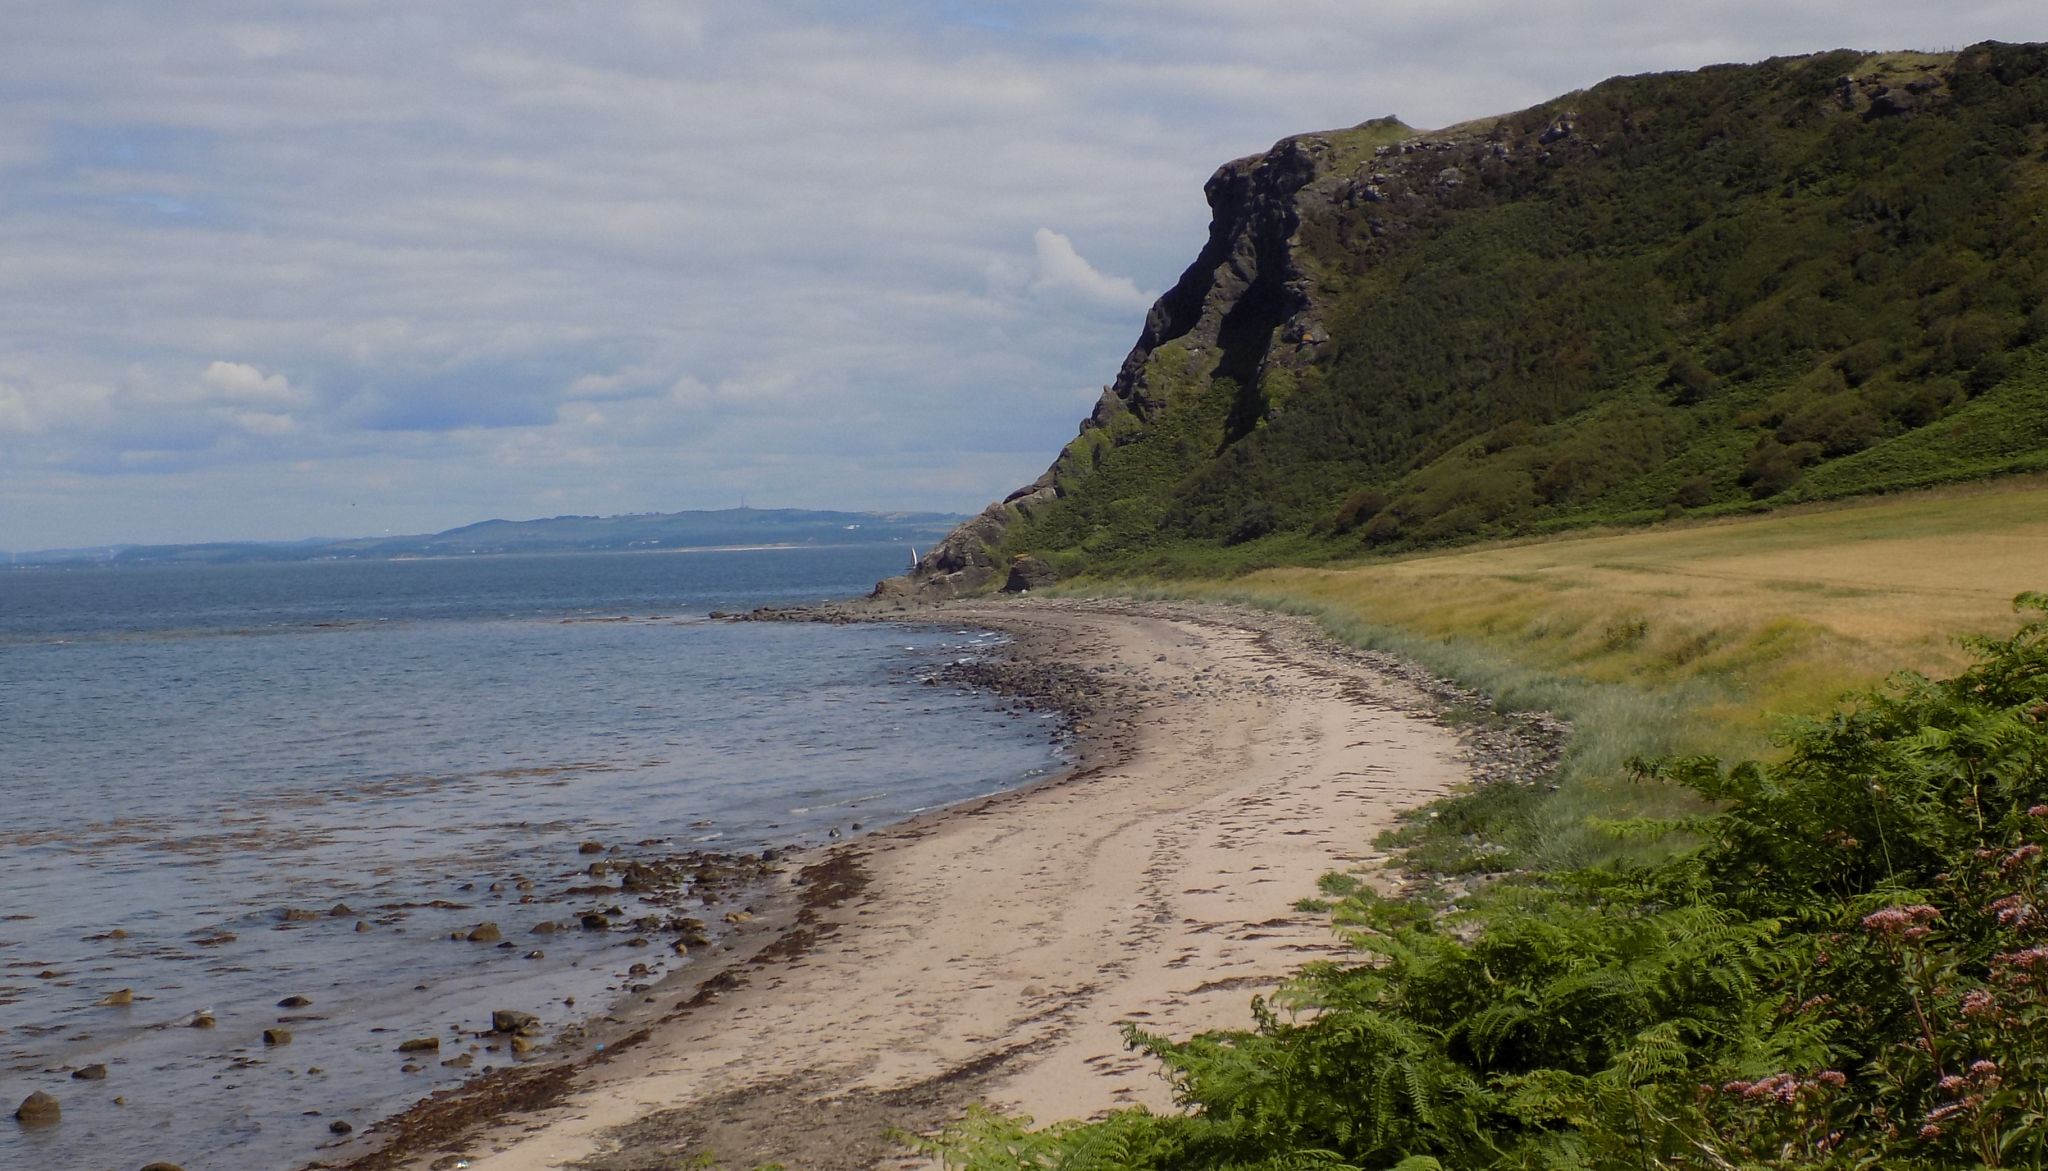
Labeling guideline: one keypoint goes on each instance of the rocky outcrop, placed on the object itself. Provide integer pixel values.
(1028, 573)
(1243, 295)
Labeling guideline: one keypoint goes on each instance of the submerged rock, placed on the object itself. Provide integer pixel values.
(118, 998)
(295, 1002)
(420, 1045)
(485, 933)
(277, 1036)
(90, 1073)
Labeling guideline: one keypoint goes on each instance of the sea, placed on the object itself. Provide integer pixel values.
(223, 787)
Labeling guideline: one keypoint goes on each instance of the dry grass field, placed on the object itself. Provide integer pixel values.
(1694, 638)
(1780, 612)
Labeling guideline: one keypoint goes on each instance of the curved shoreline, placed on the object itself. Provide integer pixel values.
(990, 952)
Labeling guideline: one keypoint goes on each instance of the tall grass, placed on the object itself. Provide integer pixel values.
(1676, 641)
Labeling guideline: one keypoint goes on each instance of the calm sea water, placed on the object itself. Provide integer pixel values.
(188, 752)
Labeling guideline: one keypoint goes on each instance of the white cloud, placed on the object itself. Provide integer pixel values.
(269, 424)
(242, 383)
(14, 412)
(1061, 270)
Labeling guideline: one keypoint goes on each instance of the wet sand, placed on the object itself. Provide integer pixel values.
(992, 952)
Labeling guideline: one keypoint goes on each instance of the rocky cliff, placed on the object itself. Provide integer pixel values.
(1671, 292)
(1242, 290)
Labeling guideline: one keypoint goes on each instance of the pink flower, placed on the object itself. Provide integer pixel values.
(2012, 911)
(1930, 1131)
(1979, 1003)
(2030, 959)
(1832, 1077)
(1952, 1083)
(2021, 856)
(1981, 1067)
(2037, 811)
(1899, 920)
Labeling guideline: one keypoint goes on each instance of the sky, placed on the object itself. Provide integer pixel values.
(348, 267)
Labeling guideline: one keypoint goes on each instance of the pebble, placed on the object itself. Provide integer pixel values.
(420, 1045)
(294, 1002)
(485, 933)
(91, 1073)
(339, 1127)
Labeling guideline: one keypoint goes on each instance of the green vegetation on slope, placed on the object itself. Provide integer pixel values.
(1850, 970)
(1672, 294)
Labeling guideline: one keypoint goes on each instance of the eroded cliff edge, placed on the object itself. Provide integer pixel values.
(1245, 302)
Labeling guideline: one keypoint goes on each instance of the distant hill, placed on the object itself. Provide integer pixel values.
(1668, 295)
(559, 534)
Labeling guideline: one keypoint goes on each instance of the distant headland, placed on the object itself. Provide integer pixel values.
(646, 531)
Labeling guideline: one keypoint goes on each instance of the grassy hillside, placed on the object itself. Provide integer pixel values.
(1685, 294)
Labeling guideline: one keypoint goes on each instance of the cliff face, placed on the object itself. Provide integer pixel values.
(1812, 276)
(1241, 289)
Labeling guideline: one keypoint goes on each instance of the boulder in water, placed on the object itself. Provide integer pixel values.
(39, 1109)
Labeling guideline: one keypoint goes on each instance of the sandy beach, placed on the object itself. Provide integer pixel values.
(992, 952)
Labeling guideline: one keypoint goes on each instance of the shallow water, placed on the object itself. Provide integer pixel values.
(188, 752)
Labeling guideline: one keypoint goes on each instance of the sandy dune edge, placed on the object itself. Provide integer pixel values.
(996, 948)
